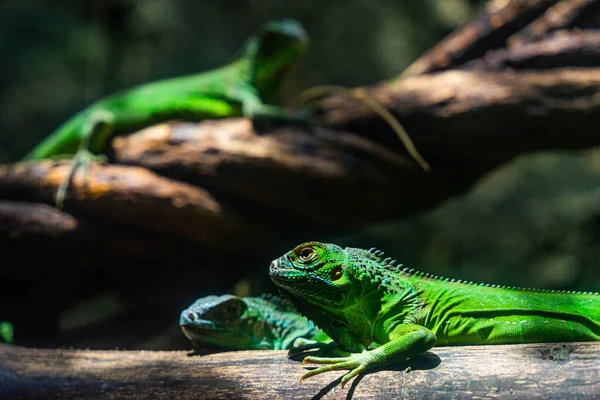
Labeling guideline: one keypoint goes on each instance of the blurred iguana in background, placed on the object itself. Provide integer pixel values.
(233, 90)
(247, 323)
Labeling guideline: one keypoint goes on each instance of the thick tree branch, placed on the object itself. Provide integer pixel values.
(517, 371)
(564, 14)
(457, 117)
(136, 197)
(498, 21)
(562, 49)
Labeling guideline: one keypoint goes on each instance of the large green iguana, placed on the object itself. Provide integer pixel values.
(247, 323)
(237, 89)
(361, 299)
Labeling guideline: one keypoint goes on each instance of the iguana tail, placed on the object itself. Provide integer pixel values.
(319, 91)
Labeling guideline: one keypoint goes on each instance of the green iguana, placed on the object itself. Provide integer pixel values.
(362, 300)
(6, 332)
(237, 89)
(247, 323)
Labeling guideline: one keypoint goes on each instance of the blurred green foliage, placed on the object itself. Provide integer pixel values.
(6, 332)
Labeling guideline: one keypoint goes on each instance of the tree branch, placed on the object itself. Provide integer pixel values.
(498, 21)
(564, 14)
(459, 117)
(134, 196)
(562, 49)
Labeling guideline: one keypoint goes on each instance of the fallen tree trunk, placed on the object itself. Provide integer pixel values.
(515, 371)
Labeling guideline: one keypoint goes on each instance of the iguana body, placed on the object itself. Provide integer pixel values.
(236, 89)
(360, 299)
(246, 323)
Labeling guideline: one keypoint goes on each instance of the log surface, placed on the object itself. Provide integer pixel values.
(509, 371)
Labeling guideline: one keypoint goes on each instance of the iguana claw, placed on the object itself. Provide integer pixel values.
(83, 159)
(357, 363)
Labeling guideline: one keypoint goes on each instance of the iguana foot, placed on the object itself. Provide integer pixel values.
(83, 159)
(357, 363)
(266, 112)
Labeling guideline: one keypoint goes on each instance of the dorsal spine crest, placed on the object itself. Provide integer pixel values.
(390, 264)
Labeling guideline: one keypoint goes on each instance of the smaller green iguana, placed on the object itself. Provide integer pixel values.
(6, 332)
(248, 323)
(237, 89)
(382, 313)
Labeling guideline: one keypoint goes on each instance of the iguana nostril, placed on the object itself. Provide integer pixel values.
(272, 265)
(192, 316)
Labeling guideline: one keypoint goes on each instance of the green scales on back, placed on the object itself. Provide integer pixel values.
(361, 299)
(237, 89)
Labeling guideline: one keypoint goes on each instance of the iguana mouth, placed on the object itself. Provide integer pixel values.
(282, 271)
(206, 329)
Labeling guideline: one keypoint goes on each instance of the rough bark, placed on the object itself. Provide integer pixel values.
(505, 24)
(133, 196)
(516, 371)
(497, 22)
(558, 50)
(322, 177)
(459, 117)
(564, 14)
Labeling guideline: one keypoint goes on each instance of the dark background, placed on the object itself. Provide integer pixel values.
(532, 222)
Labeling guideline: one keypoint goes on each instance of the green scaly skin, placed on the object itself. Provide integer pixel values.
(361, 299)
(248, 323)
(6, 332)
(233, 90)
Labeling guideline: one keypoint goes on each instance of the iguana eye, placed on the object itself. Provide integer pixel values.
(336, 273)
(232, 309)
(307, 254)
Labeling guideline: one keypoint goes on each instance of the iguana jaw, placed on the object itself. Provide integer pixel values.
(305, 285)
(218, 336)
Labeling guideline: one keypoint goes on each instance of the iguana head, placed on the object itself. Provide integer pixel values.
(273, 50)
(337, 288)
(316, 271)
(225, 321)
(248, 323)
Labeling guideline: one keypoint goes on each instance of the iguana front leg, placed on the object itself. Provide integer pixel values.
(253, 107)
(96, 130)
(406, 341)
(302, 346)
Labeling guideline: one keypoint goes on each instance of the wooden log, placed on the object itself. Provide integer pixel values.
(499, 372)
